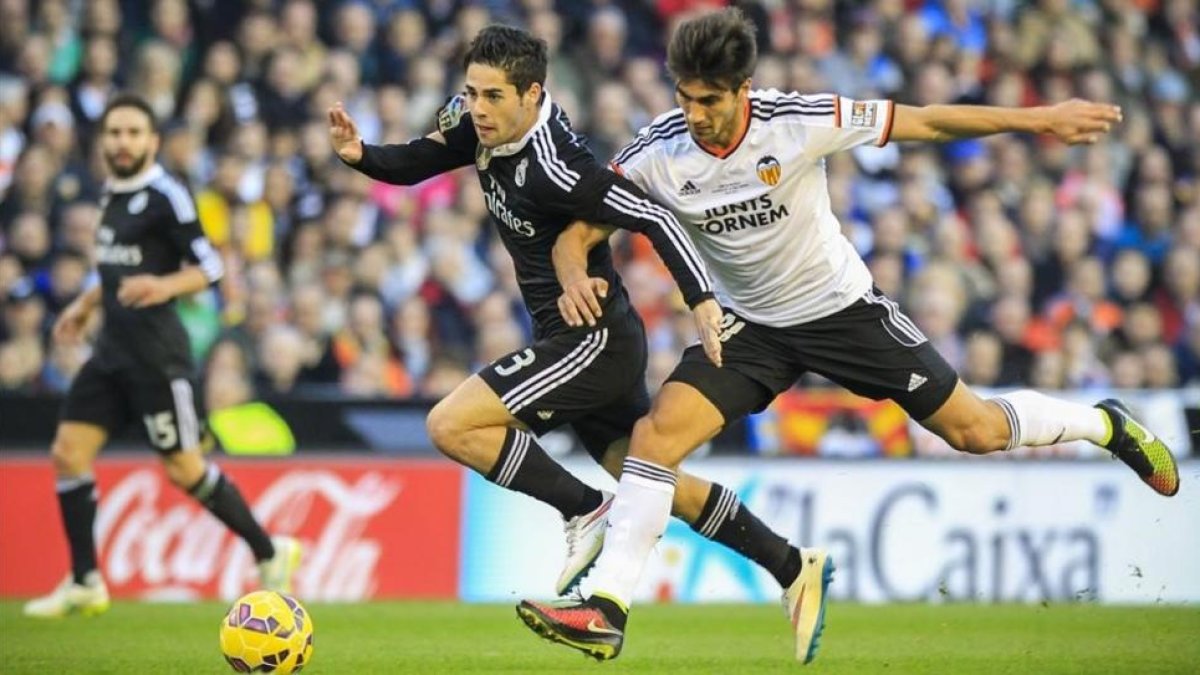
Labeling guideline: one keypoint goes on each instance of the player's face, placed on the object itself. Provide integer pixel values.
(499, 113)
(128, 142)
(713, 113)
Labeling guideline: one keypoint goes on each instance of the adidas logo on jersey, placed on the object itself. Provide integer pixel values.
(545, 414)
(915, 381)
(689, 189)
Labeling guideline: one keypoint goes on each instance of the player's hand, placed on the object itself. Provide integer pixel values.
(708, 324)
(143, 290)
(1078, 121)
(68, 327)
(580, 301)
(343, 135)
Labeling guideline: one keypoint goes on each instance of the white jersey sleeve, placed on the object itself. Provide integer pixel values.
(635, 160)
(851, 124)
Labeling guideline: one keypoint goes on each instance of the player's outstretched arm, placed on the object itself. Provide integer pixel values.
(1074, 121)
(405, 163)
(582, 295)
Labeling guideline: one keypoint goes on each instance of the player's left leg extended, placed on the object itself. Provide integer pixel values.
(277, 557)
(874, 350)
(1029, 418)
(711, 510)
(172, 418)
(703, 398)
(680, 420)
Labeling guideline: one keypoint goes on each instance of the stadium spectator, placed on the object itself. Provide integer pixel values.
(1108, 230)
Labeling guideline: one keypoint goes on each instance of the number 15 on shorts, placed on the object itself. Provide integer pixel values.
(160, 427)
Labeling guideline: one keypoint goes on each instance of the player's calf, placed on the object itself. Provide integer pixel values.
(222, 498)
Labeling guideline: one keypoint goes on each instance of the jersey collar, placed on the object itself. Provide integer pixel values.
(516, 146)
(138, 182)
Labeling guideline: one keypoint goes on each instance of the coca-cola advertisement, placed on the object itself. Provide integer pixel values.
(371, 528)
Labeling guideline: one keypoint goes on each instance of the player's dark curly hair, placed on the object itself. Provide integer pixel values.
(128, 100)
(719, 49)
(520, 55)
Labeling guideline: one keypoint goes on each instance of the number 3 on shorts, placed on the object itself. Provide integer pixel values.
(161, 429)
(520, 360)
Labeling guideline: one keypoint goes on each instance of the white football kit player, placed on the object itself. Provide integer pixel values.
(761, 214)
(798, 296)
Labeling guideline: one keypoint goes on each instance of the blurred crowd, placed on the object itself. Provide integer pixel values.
(1025, 261)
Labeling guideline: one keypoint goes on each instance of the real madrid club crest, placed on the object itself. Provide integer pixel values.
(769, 170)
(138, 202)
(520, 175)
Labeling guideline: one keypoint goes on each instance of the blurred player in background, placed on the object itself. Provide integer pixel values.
(142, 367)
(538, 177)
(745, 171)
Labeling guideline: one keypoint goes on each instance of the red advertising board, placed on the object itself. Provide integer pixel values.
(371, 528)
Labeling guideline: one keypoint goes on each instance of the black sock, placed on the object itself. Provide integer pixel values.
(525, 467)
(77, 502)
(222, 499)
(611, 610)
(724, 519)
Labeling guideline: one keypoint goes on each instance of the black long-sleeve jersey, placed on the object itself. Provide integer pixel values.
(148, 226)
(535, 188)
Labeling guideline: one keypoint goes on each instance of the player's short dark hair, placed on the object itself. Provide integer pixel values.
(718, 49)
(519, 54)
(128, 100)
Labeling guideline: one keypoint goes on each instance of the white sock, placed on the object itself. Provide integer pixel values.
(639, 516)
(1036, 419)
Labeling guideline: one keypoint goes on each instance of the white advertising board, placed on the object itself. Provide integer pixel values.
(899, 531)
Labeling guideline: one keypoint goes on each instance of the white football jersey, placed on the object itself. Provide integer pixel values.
(760, 215)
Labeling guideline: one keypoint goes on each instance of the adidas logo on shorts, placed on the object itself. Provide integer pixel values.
(915, 381)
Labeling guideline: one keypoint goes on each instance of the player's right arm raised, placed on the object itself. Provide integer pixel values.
(452, 146)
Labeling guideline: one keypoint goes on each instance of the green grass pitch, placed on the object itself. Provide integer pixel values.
(458, 638)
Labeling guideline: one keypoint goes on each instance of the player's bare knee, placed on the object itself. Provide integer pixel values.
(177, 476)
(445, 428)
(652, 442)
(68, 458)
(184, 468)
(62, 457)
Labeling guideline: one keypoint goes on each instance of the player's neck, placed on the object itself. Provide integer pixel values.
(540, 114)
(723, 150)
(137, 181)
